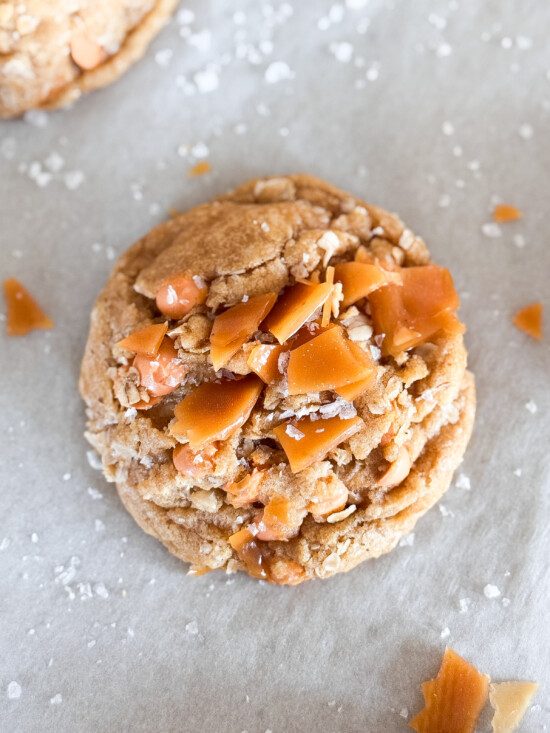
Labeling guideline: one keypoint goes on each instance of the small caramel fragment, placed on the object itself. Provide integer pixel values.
(176, 297)
(307, 441)
(327, 305)
(144, 405)
(86, 53)
(200, 169)
(246, 490)
(264, 361)
(196, 570)
(236, 325)
(279, 520)
(283, 571)
(249, 553)
(529, 319)
(295, 306)
(146, 341)
(191, 463)
(162, 373)
(215, 410)
(503, 213)
(360, 279)
(510, 701)
(398, 470)
(326, 362)
(24, 313)
(454, 699)
(351, 391)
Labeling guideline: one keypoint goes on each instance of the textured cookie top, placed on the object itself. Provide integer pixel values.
(51, 51)
(271, 365)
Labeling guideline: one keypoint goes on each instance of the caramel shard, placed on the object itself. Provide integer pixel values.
(215, 410)
(307, 441)
(236, 325)
(280, 520)
(162, 373)
(327, 305)
(250, 553)
(454, 699)
(326, 362)
(200, 169)
(351, 391)
(504, 213)
(264, 361)
(360, 279)
(191, 463)
(529, 319)
(295, 306)
(246, 490)
(196, 570)
(24, 313)
(86, 53)
(410, 314)
(177, 296)
(510, 701)
(146, 341)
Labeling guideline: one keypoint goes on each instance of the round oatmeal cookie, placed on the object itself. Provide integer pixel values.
(52, 52)
(276, 381)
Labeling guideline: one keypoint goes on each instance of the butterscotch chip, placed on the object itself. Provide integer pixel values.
(293, 437)
(54, 51)
(510, 701)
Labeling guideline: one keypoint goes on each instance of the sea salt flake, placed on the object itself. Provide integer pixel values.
(206, 80)
(192, 628)
(185, 16)
(99, 525)
(464, 604)
(36, 118)
(293, 432)
(444, 201)
(200, 150)
(491, 230)
(407, 540)
(342, 51)
(73, 179)
(201, 40)
(445, 633)
(519, 240)
(404, 713)
(526, 131)
(278, 71)
(437, 21)
(95, 461)
(448, 128)
(54, 162)
(491, 591)
(443, 50)
(101, 590)
(94, 493)
(14, 690)
(531, 407)
(56, 699)
(463, 482)
(373, 72)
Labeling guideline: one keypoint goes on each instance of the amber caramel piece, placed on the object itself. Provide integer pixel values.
(236, 325)
(264, 361)
(529, 319)
(326, 362)
(360, 279)
(85, 52)
(200, 169)
(249, 552)
(510, 701)
(246, 490)
(307, 441)
(24, 313)
(146, 341)
(215, 410)
(351, 391)
(196, 570)
(279, 520)
(397, 471)
(162, 373)
(295, 306)
(191, 463)
(177, 296)
(454, 699)
(504, 212)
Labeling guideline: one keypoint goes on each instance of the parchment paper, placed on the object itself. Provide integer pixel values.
(435, 109)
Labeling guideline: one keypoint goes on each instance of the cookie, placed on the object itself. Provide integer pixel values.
(52, 52)
(276, 381)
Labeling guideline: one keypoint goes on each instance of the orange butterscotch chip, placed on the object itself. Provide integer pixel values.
(295, 306)
(503, 213)
(307, 441)
(454, 699)
(250, 553)
(329, 497)
(246, 490)
(145, 341)
(177, 296)
(191, 463)
(236, 325)
(359, 279)
(529, 319)
(510, 701)
(326, 362)
(200, 169)
(397, 471)
(24, 313)
(215, 410)
(279, 520)
(162, 373)
(264, 361)
(85, 52)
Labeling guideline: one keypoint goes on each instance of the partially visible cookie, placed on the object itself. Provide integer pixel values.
(276, 381)
(51, 52)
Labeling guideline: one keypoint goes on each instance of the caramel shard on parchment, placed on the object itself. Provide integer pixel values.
(503, 213)
(529, 319)
(24, 313)
(510, 701)
(454, 699)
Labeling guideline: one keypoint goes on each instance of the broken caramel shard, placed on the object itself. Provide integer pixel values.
(177, 296)
(214, 410)
(249, 553)
(245, 491)
(360, 279)
(529, 319)
(295, 306)
(264, 361)
(200, 169)
(24, 313)
(145, 341)
(279, 520)
(86, 53)
(326, 362)
(503, 213)
(307, 441)
(235, 326)
(454, 699)
(162, 373)
(510, 701)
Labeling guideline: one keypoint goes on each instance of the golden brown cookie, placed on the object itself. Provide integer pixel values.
(52, 52)
(276, 381)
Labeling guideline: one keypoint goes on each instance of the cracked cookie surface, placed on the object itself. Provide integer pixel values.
(374, 462)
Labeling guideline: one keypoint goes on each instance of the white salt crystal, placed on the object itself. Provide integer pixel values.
(14, 690)
(278, 71)
(491, 591)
